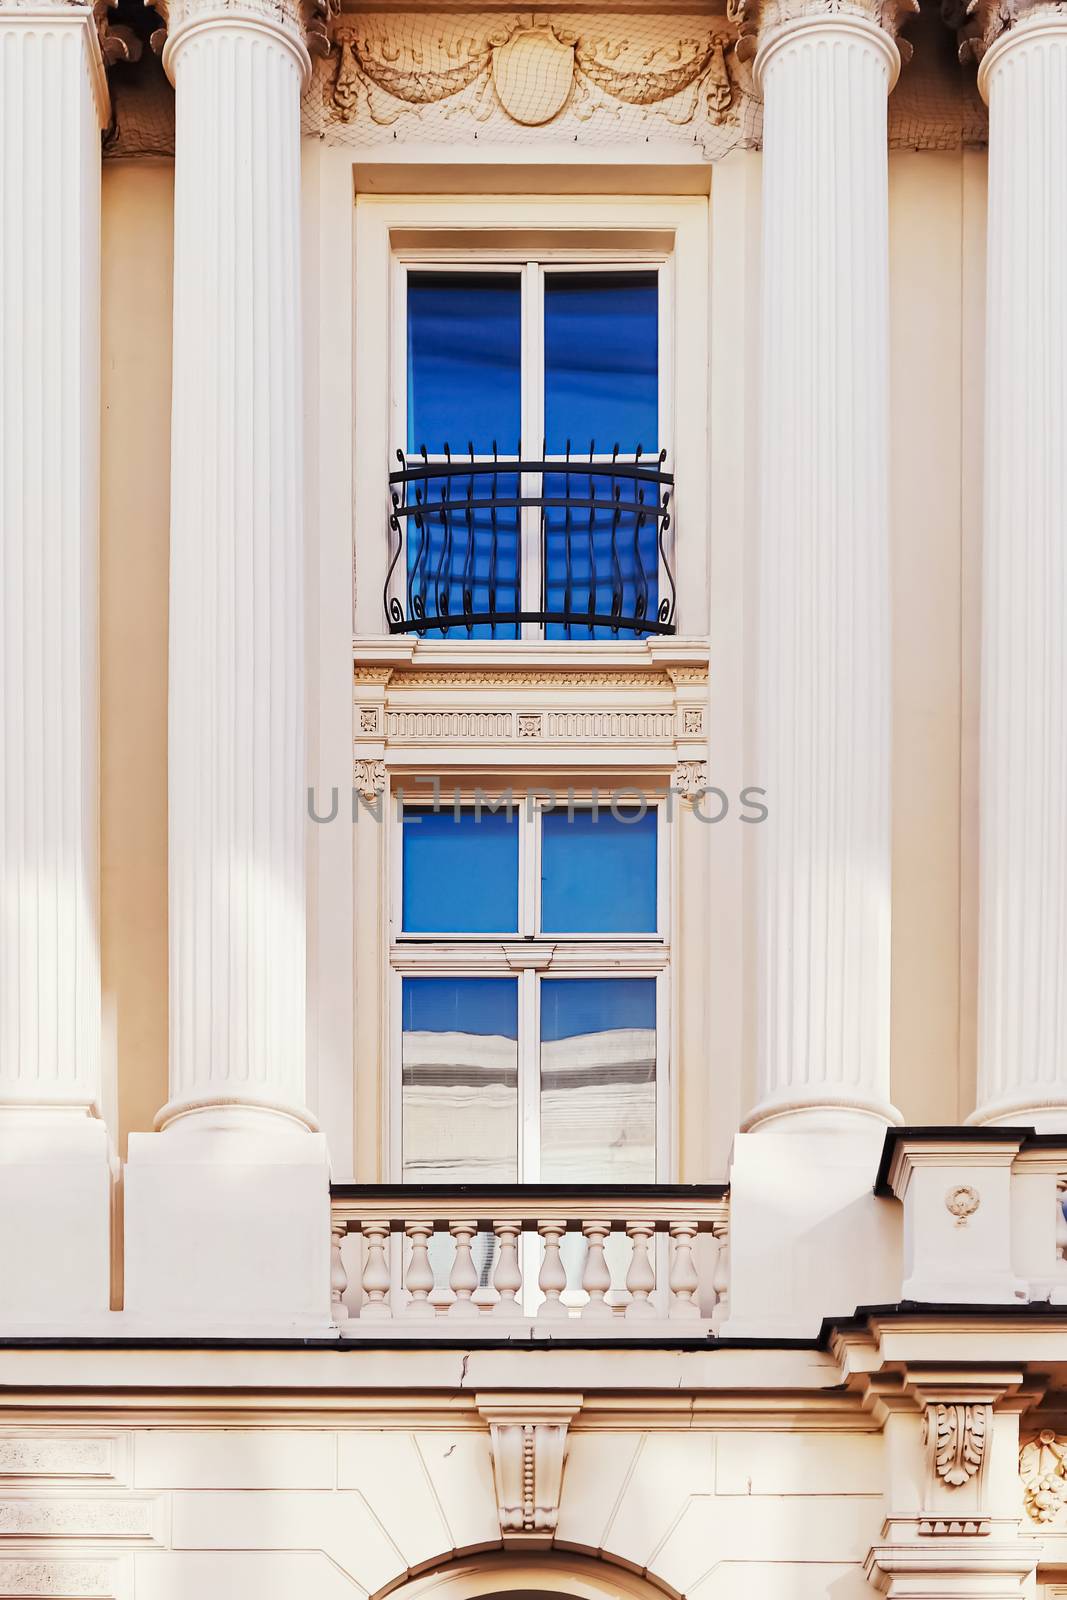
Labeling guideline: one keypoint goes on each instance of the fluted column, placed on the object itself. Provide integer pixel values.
(236, 738)
(1022, 1024)
(824, 649)
(53, 1147)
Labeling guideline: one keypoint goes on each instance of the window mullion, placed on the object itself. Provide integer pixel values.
(533, 428)
(529, 1078)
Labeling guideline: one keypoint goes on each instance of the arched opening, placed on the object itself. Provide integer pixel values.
(522, 1575)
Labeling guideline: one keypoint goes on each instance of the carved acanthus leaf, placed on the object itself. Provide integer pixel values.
(978, 24)
(956, 1435)
(758, 20)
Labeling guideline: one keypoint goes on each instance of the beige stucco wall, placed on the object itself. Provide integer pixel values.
(937, 226)
(135, 485)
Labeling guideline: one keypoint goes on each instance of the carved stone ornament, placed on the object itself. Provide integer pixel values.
(529, 73)
(307, 20)
(962, 1202)
(371, 779)
(758, 20)
(956, 1435)
(528, 1445)
(978, 24)
(690, 778)
(1043, 1470)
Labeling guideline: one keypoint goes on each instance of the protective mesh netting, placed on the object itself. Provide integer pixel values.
(589, 79)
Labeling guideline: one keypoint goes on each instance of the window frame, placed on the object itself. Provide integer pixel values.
(531, 271)
(528, 957)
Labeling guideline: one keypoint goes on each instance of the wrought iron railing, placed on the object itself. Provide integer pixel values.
(576, 545)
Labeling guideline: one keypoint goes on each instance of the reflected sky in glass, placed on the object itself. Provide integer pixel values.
(460, 1079)
(464, 361)
(598, 874)
(602, 361)
(598, 1080)
(461, 875)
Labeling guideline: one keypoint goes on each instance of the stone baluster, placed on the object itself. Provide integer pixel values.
(596, 1275)
(463, 1279)
(376, 1276)
(720, 1278)
(641, 1276)
(338, 1275)
(507, 1279)
(552, 1279)
(418, 1280)
(684, 1280)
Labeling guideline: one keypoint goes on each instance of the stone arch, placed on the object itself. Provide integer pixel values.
(527, 1575)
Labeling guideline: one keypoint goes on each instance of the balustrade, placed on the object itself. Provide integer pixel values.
(575, 1263)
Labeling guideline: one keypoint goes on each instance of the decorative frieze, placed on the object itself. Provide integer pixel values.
(389, 69)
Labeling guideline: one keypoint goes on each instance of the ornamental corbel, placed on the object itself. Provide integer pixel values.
(528, 1446)
(956, 1437)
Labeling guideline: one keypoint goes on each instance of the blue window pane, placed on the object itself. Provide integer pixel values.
(601, 559)
(460, 1079)
(602, 361)
(598, 873)
(463, 555)
(461, 875)
(598, 1080)
(464, 361)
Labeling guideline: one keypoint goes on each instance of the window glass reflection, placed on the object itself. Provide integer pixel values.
(598, 1080)
(602, 361)
(464, 361)
(460, 1080)
(461, 874)
(598, 872)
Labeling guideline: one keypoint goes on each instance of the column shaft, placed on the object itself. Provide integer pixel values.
(1022, 1036)
(236, 754)
(52, 100)
(824, 648)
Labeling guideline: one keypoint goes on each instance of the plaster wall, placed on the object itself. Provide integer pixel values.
(937, 278)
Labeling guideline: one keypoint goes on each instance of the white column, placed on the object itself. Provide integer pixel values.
(236, 745)
(227, 1207)
(1022, 1038)
(53, 1147)
(824, 649)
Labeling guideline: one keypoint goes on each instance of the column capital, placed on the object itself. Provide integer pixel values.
(106, 43)
(980, 24)
(762, 23)
(302, 24)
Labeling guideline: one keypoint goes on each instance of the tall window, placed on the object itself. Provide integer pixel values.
(549, 367)
(530, 962)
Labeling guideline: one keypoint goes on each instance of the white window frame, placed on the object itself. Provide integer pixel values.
(528, 957)
(532, 273)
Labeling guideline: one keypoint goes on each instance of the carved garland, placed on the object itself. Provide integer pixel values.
(532, 74)
(1043, 1470)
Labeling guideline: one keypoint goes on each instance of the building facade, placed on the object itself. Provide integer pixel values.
(533, 971)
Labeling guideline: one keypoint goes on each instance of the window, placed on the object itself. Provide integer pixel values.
(533, 492)
(530, 968)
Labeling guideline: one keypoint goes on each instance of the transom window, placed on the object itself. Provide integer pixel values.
(533, 492)
(530, 967)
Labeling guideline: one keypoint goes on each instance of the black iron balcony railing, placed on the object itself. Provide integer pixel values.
(484, 544)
